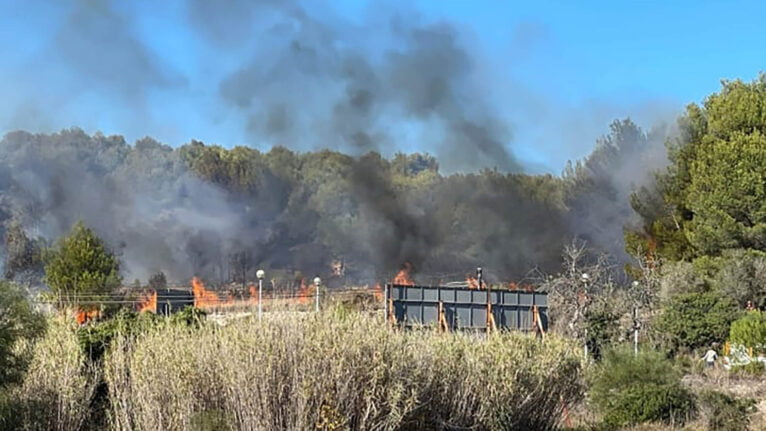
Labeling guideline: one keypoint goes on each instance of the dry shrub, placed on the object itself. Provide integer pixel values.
(303, 371)
(59, 385)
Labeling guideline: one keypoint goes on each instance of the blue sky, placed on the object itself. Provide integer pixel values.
(552, 74)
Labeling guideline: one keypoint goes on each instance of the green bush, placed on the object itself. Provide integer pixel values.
(20, 325)
(95, 337)
(694, 320)
(749, 331)
(628, 389)
(751, 369)
(725, 413)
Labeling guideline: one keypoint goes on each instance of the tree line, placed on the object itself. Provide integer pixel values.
(220, 213)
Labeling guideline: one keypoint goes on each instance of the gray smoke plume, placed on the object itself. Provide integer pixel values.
(89, 54)
(307, 79)
(317, 83)
(622, 162)
(153, 214)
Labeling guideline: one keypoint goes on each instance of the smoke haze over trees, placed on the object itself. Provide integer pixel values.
(201, 209)
(370, 147)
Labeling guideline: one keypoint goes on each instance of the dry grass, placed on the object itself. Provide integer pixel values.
(330, 372)
(58, 388)
(301, 371)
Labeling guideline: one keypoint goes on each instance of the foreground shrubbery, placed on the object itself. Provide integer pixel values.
(629, 389)
(59, 386)
(303, 372)
(724, 412)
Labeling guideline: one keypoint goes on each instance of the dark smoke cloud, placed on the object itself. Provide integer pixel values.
(394, 227)
(326, 83)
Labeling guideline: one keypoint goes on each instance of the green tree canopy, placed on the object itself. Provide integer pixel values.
(713, 195)
(696, 320)
(80, 265)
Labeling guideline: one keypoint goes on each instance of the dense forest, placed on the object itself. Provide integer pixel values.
(207, 210)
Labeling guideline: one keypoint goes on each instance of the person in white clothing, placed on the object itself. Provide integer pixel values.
(710, 358)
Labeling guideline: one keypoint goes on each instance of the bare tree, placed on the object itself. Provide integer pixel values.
(585, 280)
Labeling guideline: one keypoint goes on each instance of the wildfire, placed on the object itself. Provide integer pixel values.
(403, 278)
(148, 302)
(253, 293)
(83, 316)
(203, 297)
(378, 292)
(304, 292)
(473, 283)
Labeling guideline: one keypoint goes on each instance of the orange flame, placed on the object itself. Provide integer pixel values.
(403, 278)
(378, 292)
(203, 297)
(473, 283)
(304, 292)
(253, 294)
(148, 302)
(83, 316)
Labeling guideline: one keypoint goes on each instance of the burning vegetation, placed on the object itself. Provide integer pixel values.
(404, 276)
(148, 302)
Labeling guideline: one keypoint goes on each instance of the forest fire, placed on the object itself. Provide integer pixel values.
(303, 292)
(403, 277)
(203, 297)
(208, 299)
(84, 316)
(148, 302)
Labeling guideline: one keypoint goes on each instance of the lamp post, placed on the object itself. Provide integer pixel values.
(317, 283)
(636, 323)
(260, 273)
(585, 280)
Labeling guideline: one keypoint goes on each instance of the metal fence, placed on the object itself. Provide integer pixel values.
(466, 309)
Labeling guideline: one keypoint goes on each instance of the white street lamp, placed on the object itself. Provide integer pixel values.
(317, 283)
(260, 274)
(635, 321)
